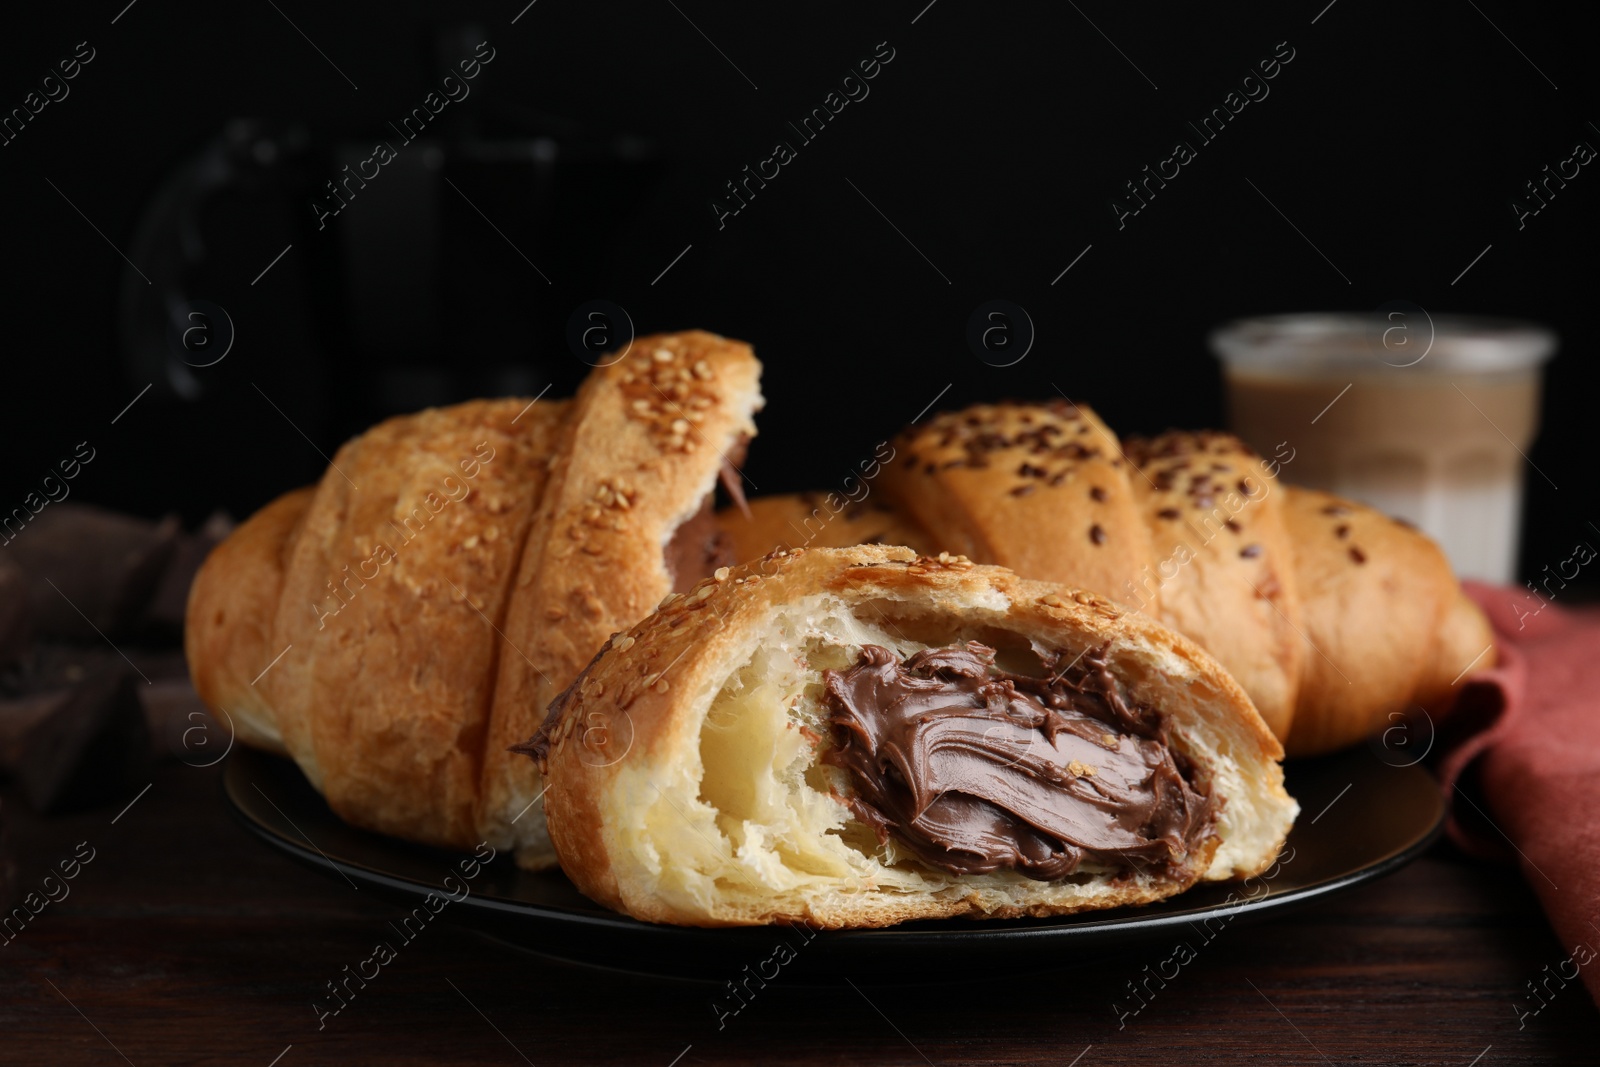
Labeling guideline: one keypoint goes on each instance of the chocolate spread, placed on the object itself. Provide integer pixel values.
(697, 548)
(699, 545)
(974, 769)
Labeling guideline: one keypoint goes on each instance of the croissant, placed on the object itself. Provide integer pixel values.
(397, 627)
(1333, 617)
(862, 736)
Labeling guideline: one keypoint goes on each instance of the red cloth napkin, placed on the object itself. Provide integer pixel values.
(1521, 765)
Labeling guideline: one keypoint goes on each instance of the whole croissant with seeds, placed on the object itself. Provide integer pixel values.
(1335, 618)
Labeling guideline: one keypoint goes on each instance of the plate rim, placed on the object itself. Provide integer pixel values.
(1046, 928)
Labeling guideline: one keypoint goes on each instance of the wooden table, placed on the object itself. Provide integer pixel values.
(185, 941)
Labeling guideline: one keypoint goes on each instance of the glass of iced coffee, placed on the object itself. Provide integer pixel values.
(1428, 418)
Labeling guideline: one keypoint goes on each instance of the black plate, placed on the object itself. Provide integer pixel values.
(1361, 818)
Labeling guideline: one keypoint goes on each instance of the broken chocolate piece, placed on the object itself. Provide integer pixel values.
(91, 570)
(76, 746)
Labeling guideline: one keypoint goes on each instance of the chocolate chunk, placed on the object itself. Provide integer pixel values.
(75, 746)
(83, 559)
(171, 600)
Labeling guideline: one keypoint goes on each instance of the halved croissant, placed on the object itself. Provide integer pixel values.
(719, 763)
(626, 519)
(397, 627)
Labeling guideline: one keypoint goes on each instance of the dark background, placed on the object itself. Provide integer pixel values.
(590, 150)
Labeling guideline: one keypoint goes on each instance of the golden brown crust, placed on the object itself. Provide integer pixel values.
(1376, 595)
(392, 596)
(1290, 618)
(1222, 560)
(228, 629)
(1039, 488)
(644, 445)
(629, 723)
(819, 520)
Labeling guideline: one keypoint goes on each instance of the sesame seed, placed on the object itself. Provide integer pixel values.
(1342, 531)
(1097, 494)
(1250, 551)
(663, 356)
(1097, 534)
(623, 643)
(720, 574)
(1357, 555)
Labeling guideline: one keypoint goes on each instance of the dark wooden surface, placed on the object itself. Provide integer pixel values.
(185, 941)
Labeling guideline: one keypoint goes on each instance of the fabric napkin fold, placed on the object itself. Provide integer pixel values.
(1520, 763)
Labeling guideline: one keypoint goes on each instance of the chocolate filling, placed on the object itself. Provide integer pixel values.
(975, 769)
(699, 545)
(697, 548)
